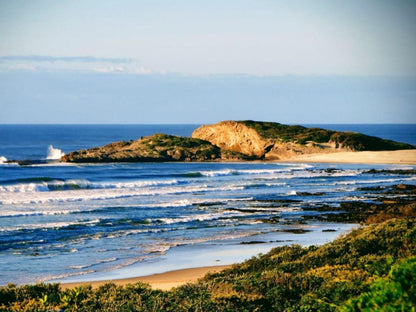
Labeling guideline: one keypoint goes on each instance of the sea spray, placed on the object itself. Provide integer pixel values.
(54, 153)
(3, 159)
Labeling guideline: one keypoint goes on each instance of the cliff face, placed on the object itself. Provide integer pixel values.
(272, 141)
(237, 137)
(155, 148)
(233, 136)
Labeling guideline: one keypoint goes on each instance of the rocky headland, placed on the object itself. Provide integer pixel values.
(274, 141)
(154, 148)
(235, 141)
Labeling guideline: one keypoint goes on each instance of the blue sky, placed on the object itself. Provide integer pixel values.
(180, 61)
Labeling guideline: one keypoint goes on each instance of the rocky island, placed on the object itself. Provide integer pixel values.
(235, 141)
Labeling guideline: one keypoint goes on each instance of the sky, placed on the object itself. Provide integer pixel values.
(195, 61)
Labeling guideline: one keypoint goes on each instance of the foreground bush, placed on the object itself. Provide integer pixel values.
(397, 292)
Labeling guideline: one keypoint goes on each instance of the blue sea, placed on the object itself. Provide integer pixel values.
(84, 222)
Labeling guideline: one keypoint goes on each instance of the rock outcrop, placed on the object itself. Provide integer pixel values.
(273, 141)
(234, 136)
(155, 148)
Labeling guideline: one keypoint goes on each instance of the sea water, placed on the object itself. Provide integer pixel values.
(73, 222)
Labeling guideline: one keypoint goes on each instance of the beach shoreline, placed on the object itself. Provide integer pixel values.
(162, 281)
(177, 277)
(398, 157)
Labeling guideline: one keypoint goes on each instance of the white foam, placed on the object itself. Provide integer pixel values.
(79, 267)
(134, 184)
(25, 188)
(54, 153)
(375, 181)
(2, 159)
(201, 217)
(227, 172)
(217, 173)
(35, 197)
(80, 184)
(107, 260)
(50, 225)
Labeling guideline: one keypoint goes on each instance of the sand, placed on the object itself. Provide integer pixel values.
(400, 157)
(163, 281)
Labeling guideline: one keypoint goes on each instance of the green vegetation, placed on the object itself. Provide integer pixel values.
(301, 135)
(165, 140)
(397, 292)
(371, 268)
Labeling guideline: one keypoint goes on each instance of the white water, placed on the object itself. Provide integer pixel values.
(54, 153)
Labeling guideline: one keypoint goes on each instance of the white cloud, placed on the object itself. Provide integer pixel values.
(46, 63)
(49, 58)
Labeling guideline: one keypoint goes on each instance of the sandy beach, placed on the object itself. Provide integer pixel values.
(400, 157)
(163, 281)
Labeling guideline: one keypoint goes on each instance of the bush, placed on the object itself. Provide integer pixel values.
(397, 292)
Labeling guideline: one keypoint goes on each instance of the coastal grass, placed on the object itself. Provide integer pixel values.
(298, 134)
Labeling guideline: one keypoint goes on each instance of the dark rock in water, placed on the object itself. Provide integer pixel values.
(332, 170)
(371, 188)
(403, 187)
(271, 220)
(252, 242)
(155, 148)
(389, 171)
(329, 230)
(310, 194)
(209, 204)
(30, 162)
(295, 231)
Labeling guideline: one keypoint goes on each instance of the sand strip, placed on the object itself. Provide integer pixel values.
(401, 157)
(163, 281)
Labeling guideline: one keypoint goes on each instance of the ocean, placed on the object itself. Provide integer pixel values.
(84, 222)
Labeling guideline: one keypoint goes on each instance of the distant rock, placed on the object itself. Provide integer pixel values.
(155, 148)
(273, 141)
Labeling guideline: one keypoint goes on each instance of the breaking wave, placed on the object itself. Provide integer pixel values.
(45, 184)
(54, 153)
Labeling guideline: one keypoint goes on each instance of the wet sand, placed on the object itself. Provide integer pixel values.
(163, 281)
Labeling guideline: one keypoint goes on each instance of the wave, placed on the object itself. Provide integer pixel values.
(52, 184)
(201, 217)
(231, 172)
(375, 181)
(107, 260)
(54, 153)
(30, 194)
(3, 159)
(289, 172)
(29, 180)
(191, 175)
(217, 173)
(50, 225)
